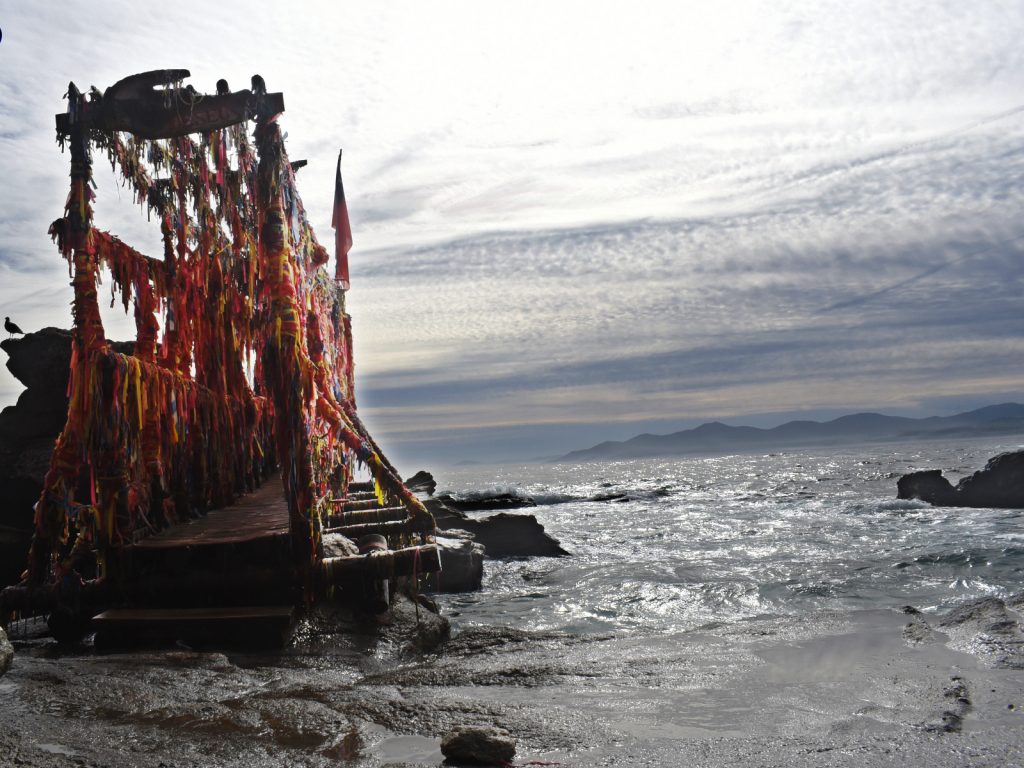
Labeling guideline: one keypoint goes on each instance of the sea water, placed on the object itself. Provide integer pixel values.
(691, 542)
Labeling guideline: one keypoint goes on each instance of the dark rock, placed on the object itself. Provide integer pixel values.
(976, 612)
(40, 360)
(478, 745)
(412, 623)
(487, 503)
(462, 562)
(415, 621)
(611, 496)
(929, 486)
(1000, 484)
(422, 482)
(503, 535)
(445, 517)
(28, 431)
(6, 652)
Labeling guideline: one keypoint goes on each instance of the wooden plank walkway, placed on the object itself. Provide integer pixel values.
(259, 515)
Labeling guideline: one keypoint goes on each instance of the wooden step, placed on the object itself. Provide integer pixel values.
(356, 517)
(384, 528)
(349, 505)
(258, 626)
(380, 565)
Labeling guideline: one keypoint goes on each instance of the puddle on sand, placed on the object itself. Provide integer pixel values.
(56, 749)
(409, 749)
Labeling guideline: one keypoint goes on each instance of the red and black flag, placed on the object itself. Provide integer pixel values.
(342, 230)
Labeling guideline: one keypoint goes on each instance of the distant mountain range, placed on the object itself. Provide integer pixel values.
(718, 438)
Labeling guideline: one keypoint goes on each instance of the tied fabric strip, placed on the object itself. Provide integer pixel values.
(243, 355)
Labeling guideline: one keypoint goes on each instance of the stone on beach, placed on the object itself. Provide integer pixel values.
(478, 745)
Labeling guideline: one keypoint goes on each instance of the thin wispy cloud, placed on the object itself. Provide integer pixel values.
(566, 213)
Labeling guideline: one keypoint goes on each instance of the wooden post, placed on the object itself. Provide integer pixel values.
(283, 350)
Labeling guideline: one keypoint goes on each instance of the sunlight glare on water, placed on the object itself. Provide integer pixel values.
(674, 544)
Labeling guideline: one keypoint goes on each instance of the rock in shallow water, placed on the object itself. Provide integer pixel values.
(487, 503)
(1000, 484)
(928, 485)
(513, 535)
(502, 535)
(478, 745)
(422, 482)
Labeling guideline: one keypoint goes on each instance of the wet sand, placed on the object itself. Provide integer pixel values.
(867, 688)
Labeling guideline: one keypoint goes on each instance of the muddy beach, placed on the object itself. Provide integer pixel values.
(877, 687)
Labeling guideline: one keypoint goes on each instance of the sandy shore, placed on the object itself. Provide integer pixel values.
(868, 688)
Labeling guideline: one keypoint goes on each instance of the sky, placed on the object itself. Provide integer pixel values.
(577, 221)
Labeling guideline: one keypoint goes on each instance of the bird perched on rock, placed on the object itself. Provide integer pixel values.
(11, 328)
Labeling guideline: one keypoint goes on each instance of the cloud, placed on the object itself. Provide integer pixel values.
(698, 211)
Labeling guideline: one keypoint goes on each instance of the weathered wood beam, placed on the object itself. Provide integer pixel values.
(135, 105)
(350, 505)
(380, 565)
(384, 528)
(383, 515)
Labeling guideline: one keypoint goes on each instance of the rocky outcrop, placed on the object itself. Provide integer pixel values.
(422, 482)
(503, 535)
(506, 535)
(27, 433)
(928, 485)
(28, 430)
(462, 562)
(487, 503)
(478, 745)
(1000, 484)
(422, 629)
